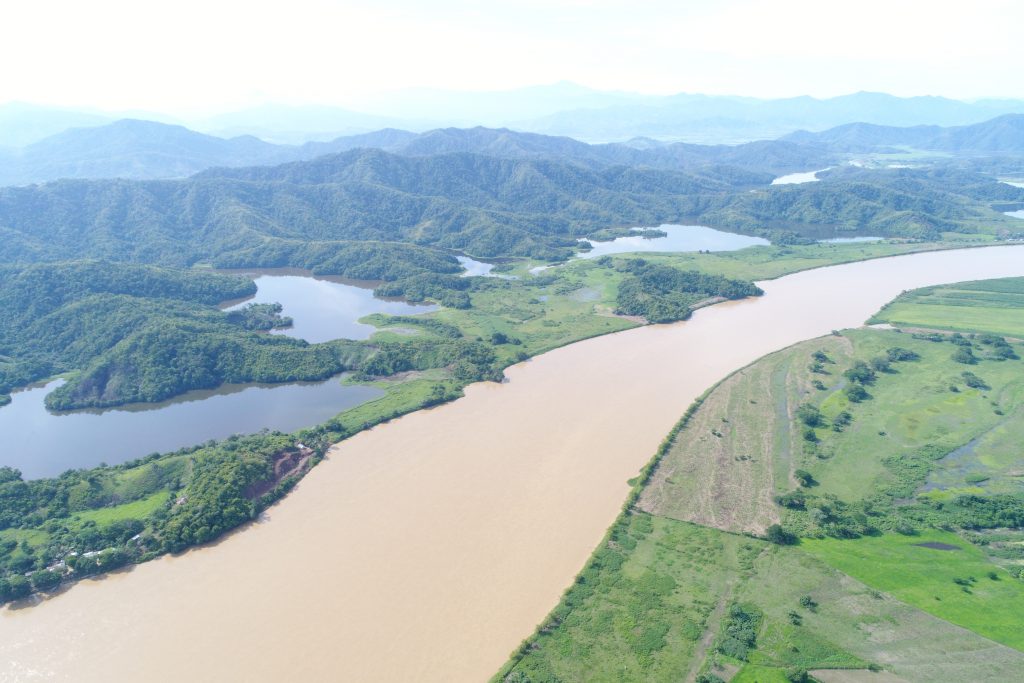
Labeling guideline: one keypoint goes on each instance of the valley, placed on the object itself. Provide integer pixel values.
(502, 471)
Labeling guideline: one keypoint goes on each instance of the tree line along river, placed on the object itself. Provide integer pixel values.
(427, 548)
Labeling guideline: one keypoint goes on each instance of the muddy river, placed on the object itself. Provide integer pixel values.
(428, 548)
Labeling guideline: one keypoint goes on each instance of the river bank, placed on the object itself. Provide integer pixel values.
(427, 548)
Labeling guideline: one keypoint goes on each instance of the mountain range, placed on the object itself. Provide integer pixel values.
(340, 212)
(1003, 135)
(149, 150)
(144, 150)
(556, 109)
(703, 118)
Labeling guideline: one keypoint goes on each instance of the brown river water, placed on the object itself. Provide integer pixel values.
(428, 548)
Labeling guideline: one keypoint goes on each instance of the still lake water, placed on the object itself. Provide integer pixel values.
(851, 240)
(680, 238)
(472, 267)
(798, 178)
(427, 548)
(44, 444)
(324, 308)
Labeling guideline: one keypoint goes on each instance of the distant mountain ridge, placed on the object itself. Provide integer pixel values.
(357, 205)
(132, 149)
(555, 109)
(145, 150)
(1003, 135)
(704, 118)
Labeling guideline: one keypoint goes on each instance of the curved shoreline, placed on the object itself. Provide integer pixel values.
(427, 548)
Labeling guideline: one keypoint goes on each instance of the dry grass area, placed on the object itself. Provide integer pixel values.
(735, 454)
(855, 676)
(718, 474)
(851, 617)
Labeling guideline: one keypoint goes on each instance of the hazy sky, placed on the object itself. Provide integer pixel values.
(193, 56)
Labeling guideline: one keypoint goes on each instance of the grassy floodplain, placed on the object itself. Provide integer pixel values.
(162, 502)
(990, 603)
(898, 481)
(987, 306)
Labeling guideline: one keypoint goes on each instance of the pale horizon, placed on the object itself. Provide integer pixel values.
(197, 59)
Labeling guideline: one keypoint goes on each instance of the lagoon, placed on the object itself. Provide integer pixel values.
(680, 238)
(44, 444)
(427, 548)
(324, 308)
(799, 178)
(851, 240)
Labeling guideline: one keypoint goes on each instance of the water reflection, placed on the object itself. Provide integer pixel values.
(43, 444)
(798, 178)
(324, 308)
(680, 238)
(851, 240)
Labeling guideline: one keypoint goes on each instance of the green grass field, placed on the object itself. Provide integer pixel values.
(924, 577)
(649, 607)
(650, 604)
(766, 263)
(139, 509)
(911, 408)
(923, 433)
(995, 306)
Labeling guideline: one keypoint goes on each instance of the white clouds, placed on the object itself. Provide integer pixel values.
(206, 55)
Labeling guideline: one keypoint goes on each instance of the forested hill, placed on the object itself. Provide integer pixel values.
(144, 150)
(275, 215)
(915, 203)
(1003, 136)
(131, 148)
(372, 214)
(766, 156)
(143, 333)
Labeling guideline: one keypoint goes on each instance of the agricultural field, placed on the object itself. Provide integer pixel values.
(938, 572)
(654, 604)
(995, 306)
(883, 464)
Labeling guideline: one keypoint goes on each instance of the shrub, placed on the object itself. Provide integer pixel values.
(18, 587)
(797, 675)
(45, 580)
(709, 678)
(809, 415)
(856, 393)
(779, 536)
(841, 421)
(804, 477)
(880, 364)
(861, 373)
(794, 500)
(964, 355)
(973, 381)
(897, 354)
(740, 633)
(807, 602)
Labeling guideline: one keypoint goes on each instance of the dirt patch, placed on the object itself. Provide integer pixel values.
(935, 545)
(285, 463)
(855, 676)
